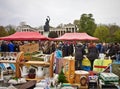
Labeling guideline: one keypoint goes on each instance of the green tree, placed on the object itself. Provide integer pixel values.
(11, 31)
(87, 24)
(52, 34)
(76, 22)
(117, 35)
(3, 32)
(112, 28)
(102, 33)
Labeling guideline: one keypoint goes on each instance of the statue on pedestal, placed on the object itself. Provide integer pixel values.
(46, 26)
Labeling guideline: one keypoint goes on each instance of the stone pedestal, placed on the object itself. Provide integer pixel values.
(46, 33)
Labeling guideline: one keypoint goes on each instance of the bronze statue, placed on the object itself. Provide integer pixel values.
(46, 26)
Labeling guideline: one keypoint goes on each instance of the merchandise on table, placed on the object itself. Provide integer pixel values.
(69, 68)
(93, 82)
(93, 78)
(86, 65)
(109, 77)
(79, 74)
(100, 64)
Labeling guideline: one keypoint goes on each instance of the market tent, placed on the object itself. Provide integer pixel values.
(76, 36)
(25, 36)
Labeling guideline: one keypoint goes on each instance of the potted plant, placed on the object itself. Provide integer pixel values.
(61, 77)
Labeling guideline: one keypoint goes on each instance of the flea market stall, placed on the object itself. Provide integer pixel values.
(23, 65)
(25, 36)
(76, 36)
(42, 71)
(90, 79)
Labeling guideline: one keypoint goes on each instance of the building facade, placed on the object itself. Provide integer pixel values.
(23, 27)
(60, 30)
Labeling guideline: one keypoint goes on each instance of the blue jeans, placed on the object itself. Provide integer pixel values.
(78, 64)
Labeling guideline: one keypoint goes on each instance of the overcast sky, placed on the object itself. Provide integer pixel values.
(34, 12)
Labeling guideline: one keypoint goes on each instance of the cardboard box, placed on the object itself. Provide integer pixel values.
(29, 48)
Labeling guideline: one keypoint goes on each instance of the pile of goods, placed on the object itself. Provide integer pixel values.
(109, 78)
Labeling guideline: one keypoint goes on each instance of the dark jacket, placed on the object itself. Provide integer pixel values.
(79, 52)
(92, 53)
(4, 47)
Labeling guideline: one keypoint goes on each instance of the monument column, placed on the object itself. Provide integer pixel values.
(46, 27)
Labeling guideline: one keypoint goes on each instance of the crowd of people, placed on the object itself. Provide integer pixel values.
(70, 48)
(91, 50)
(9, 46)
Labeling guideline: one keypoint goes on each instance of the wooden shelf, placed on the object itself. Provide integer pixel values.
(19, 63)
(7, 61)
(36, 63)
